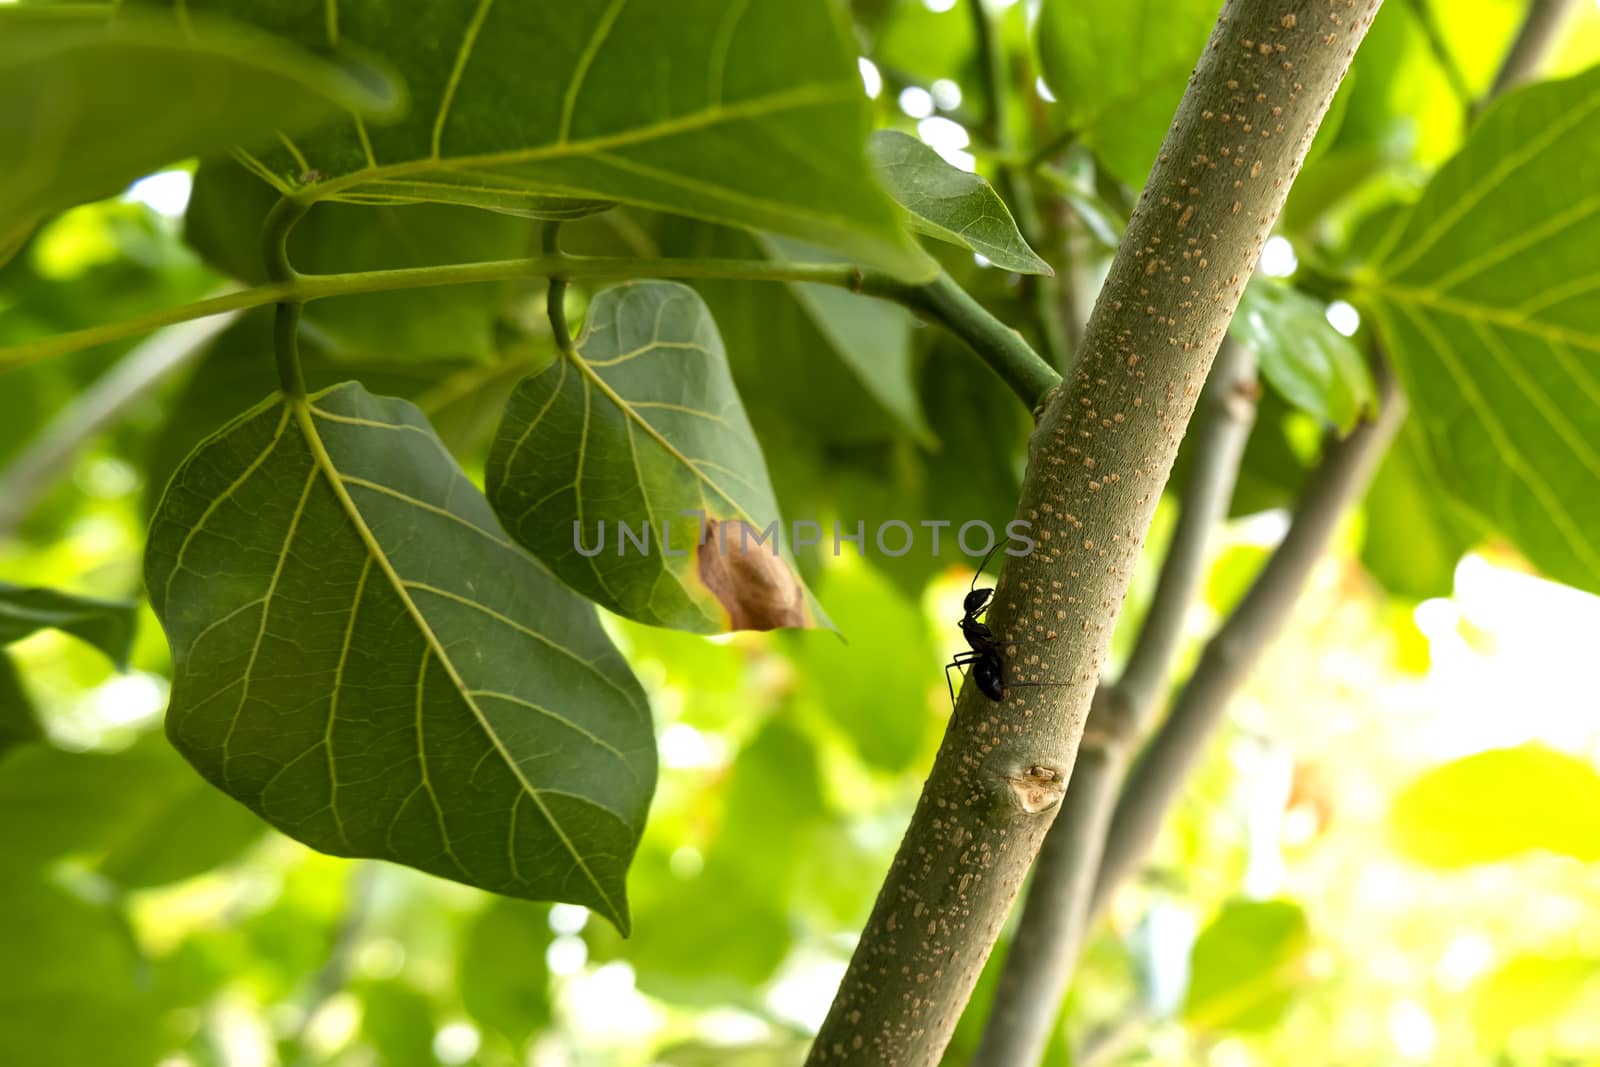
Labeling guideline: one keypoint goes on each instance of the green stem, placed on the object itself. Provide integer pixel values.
(1013, 180)
(941, 300)
(286, 328)
(556, 296)
(1003, 348)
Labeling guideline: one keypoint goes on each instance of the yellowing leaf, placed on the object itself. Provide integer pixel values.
(1498, 805)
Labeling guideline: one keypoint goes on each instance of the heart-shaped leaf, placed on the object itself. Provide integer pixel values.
(630, 468)
(1487, 295)
(747, 113)
(93, 102)
(362, 657)
(950, 204)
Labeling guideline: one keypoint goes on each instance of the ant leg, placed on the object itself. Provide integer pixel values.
(961, 659)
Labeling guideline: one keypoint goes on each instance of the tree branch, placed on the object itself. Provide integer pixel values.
(1538, 32)
(941, 300)
(1164, 767)
(1055, 912)
(1098, 461)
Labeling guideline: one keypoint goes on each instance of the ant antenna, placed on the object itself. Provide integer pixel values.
(979, 573)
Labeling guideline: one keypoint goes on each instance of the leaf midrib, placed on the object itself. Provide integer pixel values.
(627, 409)
(756, 107)
(301, 410)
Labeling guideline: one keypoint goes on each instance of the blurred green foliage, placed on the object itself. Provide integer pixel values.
(1384, 858)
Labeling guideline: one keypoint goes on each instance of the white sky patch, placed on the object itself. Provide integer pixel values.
(916, 102)
(128, 699)
(607, 1002)
(871, 80)
(568, 918)
(946, 94)
(1412, 1030)
(1464, 959)
(1343, 317)
(1278, 259)
(566, 955)
(1044, 91)
(1509, 639)
(939, 6)
(685, 748)
(1265, 528)
(804, 989)
(166, 193)
(456, 1042)
(949, 139)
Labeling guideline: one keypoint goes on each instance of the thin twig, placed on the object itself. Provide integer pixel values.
(1442, 55)
(97, 408)
(334, 973)
(1001, 347)
(1540, 29)
(1163, 768)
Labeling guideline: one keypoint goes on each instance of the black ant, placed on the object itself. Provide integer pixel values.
(986, 656)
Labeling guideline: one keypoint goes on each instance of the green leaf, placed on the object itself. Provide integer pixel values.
(502, 975)
(1497, 805)
(1315, 367)
(188, 829)
(399, 1023)
(19, 724)
(76, 992)
(1530, 991)
(871, 337)
(93, 102)
(950, 204)
(641, 425)
(1486, 296)
(106, 624)
(13, 236)
(834, 366)
(888, 721)
(1247, 965)
(139, 816)
(1414, 537)
(224, 221)
(461, 399)
(750, 114)
(1119, 70)
(363, 658)
(772, 808)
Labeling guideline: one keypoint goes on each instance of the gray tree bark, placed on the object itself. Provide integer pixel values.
(1099, 458)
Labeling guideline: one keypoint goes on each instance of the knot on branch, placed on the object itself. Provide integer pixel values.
(1036, 789)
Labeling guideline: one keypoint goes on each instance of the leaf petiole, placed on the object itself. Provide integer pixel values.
(942, 300)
